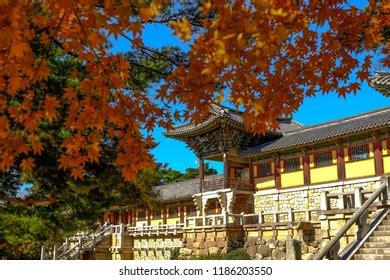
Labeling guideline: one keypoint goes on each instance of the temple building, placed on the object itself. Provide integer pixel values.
(294, 185)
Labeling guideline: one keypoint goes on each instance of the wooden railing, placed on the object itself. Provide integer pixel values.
(163, 229)
(344, 200)
(76, 244)
(218, 183)
(378, 198)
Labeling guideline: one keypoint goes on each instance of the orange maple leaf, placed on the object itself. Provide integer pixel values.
(27, 164)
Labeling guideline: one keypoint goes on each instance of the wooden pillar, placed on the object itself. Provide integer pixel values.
(201, 173)
(340, 162)
(225, 170)
(251, 180)
(378, 157)
(119, 216)
(306, 169)
(129, 214)
(278, 178)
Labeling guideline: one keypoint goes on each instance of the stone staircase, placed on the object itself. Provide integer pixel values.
(377, 247)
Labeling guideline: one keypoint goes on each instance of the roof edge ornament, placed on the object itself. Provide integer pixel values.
(381, 82)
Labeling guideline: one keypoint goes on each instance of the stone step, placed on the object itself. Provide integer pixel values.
(379, 239)
(384, 228)
(376, 245)
(386, 222)
(371, 257)
(381, 233)
(375, 251)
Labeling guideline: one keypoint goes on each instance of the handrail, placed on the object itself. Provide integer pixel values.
(359, 213)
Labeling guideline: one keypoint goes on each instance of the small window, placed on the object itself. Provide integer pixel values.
(173, 213)
(265, 169)
(191, 210)
(292, 164)
(323, 159)
(156, 214)
(358, 152)
(141, 215)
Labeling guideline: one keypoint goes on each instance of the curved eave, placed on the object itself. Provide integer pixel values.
(381, 82)
(189, 130)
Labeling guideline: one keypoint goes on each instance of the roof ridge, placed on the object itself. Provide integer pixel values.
(187, 181)
(346, 119)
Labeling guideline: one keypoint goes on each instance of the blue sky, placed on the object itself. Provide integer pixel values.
(314, 110)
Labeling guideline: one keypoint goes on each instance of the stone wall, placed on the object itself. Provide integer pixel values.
(217, 240)
(271, 201)
(156, 248)
(291, 249)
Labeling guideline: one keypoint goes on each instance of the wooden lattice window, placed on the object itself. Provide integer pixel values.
(292, 164)
(358, 152)
(156, 214)
(173, 213)
(265, 169)
(191, 210)
(141, 215)
(323, 159)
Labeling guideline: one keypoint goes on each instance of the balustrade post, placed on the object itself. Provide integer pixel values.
(242, 218)
(275, 216)
(334, 252)
(363, 227)
(340, 201)
(290, 215)
(358, 197)
(204, 219)
(66, 244)
(43, 257)
(79, 247)
(324, 204)
(55, 252)
(261, 217)
(225, 217)
(158, 228)
(307, 215)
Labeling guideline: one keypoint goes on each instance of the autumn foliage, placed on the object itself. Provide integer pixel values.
(261, 56)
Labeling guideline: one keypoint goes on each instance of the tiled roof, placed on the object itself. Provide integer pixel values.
(325, 131)
(218, 112)
(381, 82)
(179, 191)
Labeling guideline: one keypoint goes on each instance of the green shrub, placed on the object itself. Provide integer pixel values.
(238, 254)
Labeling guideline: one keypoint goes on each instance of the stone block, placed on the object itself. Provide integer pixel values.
(312, 250)
(293, 250)
(185, 251)
(214, 251)
(273, 243)
(222, 244)
(264, 250)
(251, 251)
(196, 245)
(304, 248)
(278, 255)
(258, 257)
(308, 256)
